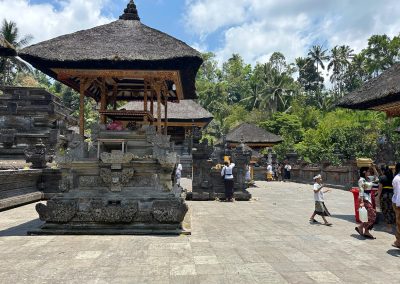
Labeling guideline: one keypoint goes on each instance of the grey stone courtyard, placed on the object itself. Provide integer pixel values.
(266, 240)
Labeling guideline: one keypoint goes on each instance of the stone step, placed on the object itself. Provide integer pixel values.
(15, 201)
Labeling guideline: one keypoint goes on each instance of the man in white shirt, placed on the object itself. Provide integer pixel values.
(287, 170)
(396, 204)
(227, 174)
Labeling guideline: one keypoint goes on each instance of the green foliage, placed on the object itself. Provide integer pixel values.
(11, 66)
(353, 134)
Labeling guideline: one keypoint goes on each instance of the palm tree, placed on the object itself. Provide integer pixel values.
(10, 65)
(340, 61)
(318, 56)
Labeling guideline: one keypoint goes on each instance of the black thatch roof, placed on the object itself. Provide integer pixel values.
(123, 44)
(6, 49)
(382, 90)
(185, 111)
(250, 133)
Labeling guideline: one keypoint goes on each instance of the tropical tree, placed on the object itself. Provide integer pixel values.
(318, 56)
(10, 66)
(340, 61)
(309, 77)
(236, 75)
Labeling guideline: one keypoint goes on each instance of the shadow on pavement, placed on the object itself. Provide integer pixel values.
(394, 252)
(22, 229)
(348, 218)
(358, 237)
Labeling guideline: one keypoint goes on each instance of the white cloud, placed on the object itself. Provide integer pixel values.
(44, 21)
(257, 28)
(209, 15)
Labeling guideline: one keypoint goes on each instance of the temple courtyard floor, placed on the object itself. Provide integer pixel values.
(266, 240)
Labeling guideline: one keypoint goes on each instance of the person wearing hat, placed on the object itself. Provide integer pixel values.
(320, 208)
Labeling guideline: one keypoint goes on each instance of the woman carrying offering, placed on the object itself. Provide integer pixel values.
(320, 208)
(365, 184)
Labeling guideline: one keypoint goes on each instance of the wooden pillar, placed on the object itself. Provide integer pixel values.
(145, 97)
(103, 101)
(166, 116)
(158, 90)
(82, 88)
(152, 103)
(115, 93)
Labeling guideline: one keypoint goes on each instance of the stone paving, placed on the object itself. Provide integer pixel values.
(266, 240)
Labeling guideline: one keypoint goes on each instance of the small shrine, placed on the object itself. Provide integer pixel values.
(183, 120)
(31, 122)
(252, 135)
(118, 181)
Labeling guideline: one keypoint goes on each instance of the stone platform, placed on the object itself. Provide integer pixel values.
(265, 240)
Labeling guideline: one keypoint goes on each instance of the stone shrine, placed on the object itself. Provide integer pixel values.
(119, 181)
(207, 181)
(31, 118)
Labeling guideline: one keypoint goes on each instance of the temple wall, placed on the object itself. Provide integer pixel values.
(342, 177)
(259, 173)
(20, 187)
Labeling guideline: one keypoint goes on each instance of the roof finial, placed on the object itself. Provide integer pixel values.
(130, 13)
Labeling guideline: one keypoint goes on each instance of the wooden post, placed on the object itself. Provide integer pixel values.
(157, 86)
(152, 103)
(82, 89)
(145, 97)
(145, 108)
(103, 101)
(166, 116)
(115, 93)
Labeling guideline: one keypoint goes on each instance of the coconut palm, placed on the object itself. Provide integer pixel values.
(340, 61)
(318, 55)
(9, 66)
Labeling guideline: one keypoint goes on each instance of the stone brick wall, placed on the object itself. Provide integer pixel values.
(20, 187)
(343, 177)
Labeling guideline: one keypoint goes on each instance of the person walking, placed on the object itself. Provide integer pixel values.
(279, 172)
(385, 196)
(287, 170)
(320, 208)
(178, 174)
(227, 174)
(365, 184)
(396, 204)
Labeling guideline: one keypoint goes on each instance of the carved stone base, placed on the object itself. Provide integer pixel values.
(99, 216)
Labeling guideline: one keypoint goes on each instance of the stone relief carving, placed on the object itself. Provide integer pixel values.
(116, 180)
(113, 213)
(169, 211)
(7, 137)
(57, 211)
(90, 181)
(38, 156)
(116, 157)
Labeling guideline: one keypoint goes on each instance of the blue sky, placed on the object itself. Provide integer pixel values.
(252, 28)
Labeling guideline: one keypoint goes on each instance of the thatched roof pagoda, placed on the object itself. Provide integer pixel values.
(186, 113)
(253, 136)
(381, 93)
(121, 61)
(6, 49)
